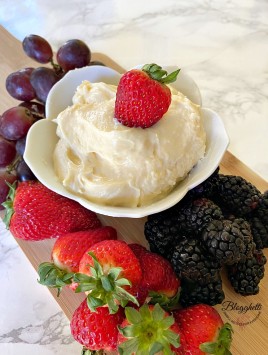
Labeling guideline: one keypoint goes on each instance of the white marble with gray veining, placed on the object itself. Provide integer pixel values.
(222, 44)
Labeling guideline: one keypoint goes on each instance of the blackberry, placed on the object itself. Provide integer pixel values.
(207, 188)
(190, 261)
(229, 241)
(194, 293)
(259, 232)
(237, 194)
(162, 231)
(262, 209)
(195, 214)
(246, 276)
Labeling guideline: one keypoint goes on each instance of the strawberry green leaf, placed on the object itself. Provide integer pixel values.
(108, 288)
(128, 347)
(128, 331)
(123, 282)
(223, 343)
(145, 311)
(115, 272)
(132, 315)
(123, 303)
(167, 303)
(93, 272)
(124, 295)
(156, 347)
(79, 277)
(171, 77)
(167, 350)
(86, 351)
(85, 287)
(93, 303)
(8, 204)
(52, 276)
(172, 338)
(158, 313)
(209, 347)
(168, 322)
(151, 331)
(96, 265)
(112, 305)
(157, 73)
(106, 284)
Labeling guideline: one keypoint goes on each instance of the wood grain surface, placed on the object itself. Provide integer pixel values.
(250, 327)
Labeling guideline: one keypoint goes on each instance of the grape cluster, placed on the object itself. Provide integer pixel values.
(31, 86)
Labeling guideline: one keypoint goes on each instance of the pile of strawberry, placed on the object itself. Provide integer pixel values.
(131, 300)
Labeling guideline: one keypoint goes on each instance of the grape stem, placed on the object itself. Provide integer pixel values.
(13, 166)
(56, 67)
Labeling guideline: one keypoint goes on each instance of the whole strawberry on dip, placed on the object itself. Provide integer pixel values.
(128, 145)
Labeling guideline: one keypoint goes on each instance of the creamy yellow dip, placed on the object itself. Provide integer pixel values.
(111, 164)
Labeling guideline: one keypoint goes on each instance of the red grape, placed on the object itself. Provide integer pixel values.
(37, 48)
(4, 188)
(37, 108)
(24, 172)
(42, 80)
(73, 54)
(18, 85)
(20, 145)
(7, 152)
(15, 122)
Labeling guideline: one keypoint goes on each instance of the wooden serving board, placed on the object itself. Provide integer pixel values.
(250, 327)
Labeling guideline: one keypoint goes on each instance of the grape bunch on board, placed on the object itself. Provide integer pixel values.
(31, 86)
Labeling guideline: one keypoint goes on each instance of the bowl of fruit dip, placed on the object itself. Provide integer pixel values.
(83, 152)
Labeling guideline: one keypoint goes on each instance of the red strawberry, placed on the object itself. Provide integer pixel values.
(69, 248)
(148, 330)
(142, 96)
(158, 275)
(96, 330)
(107, 271)
(33, 212)
(203, 330)
(67, 253)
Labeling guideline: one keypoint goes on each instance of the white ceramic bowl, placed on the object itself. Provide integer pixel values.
(42, 138)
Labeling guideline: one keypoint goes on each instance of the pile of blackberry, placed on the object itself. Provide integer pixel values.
(222, 224)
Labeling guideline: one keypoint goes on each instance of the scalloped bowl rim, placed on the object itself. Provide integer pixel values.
(42, 138)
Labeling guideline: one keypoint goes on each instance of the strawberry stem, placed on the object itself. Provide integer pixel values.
(157, 73)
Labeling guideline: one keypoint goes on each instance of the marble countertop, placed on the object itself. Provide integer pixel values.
(224, 47)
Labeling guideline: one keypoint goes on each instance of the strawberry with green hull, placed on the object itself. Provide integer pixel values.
(69, 249)
(203, 330)
(148, 330)
(107, 272)
(159, 278)
(66, 254)
(96, 331)
(142, 96)
(33, 212)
